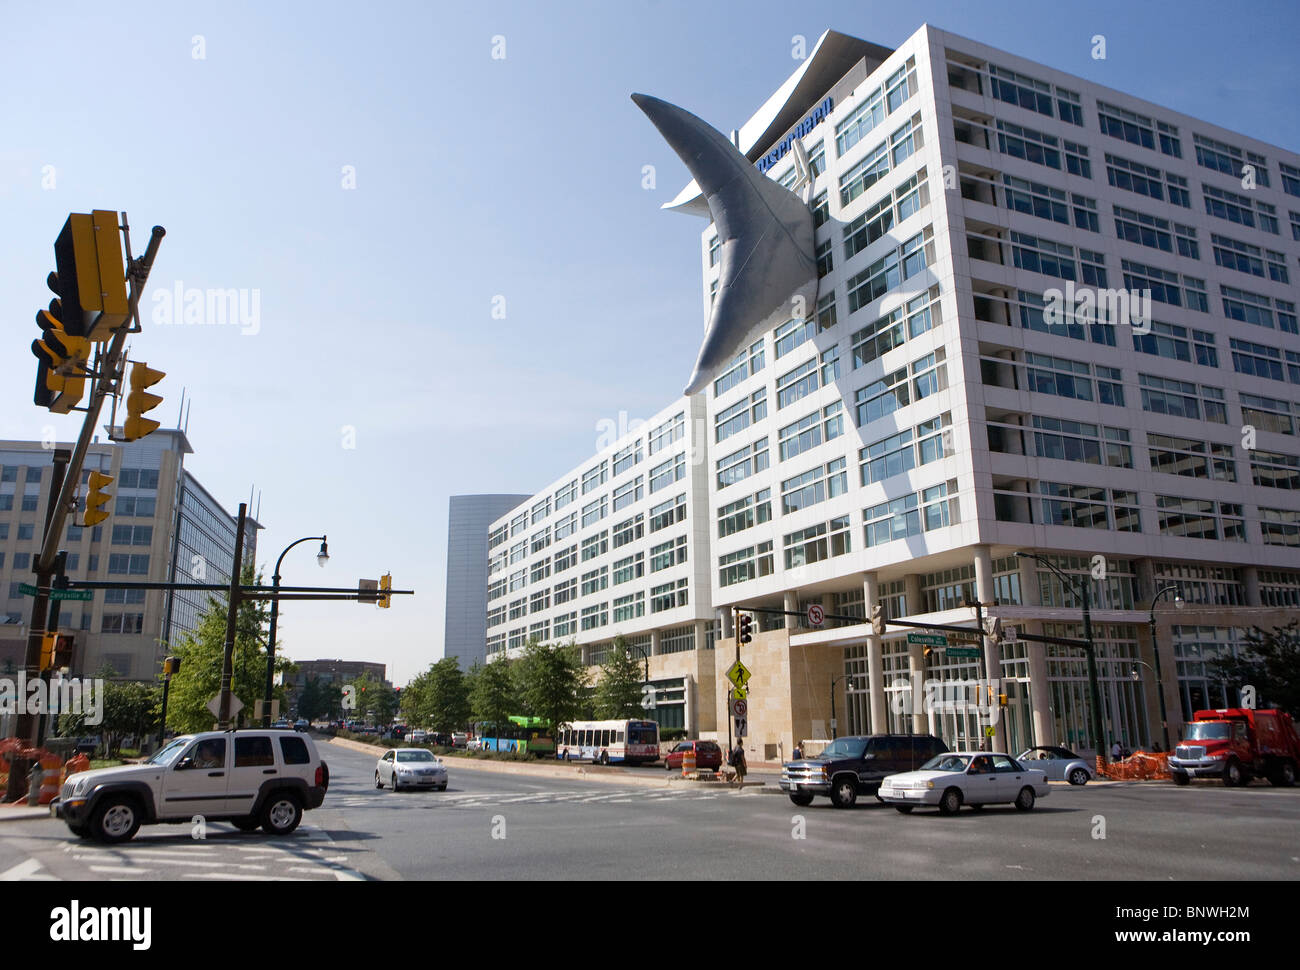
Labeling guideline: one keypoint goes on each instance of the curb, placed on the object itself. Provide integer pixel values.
(574, 772)
(25, 812)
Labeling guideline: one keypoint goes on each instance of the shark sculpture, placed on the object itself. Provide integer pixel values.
(765, 231)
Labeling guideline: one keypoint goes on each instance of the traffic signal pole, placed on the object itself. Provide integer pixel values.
(232, 615)
(106, 380)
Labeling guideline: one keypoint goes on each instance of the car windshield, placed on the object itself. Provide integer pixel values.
(947, 762)
(1209, 731)
(843, 748)
(414, 756)
(168, 754)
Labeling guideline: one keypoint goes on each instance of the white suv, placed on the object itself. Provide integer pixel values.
(250, 778)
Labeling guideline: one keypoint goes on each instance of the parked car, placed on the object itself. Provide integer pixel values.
(302, 724)
(459, 739)
(418, 736)
(1058, 764)
(281, 725)
(410, 768)
(251, 778)
(974, 778)
(855, 766)
(87, 746)
(441, 740)
(708, 755)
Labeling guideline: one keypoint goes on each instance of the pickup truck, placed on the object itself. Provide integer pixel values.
(854, 766)
(1237, 744)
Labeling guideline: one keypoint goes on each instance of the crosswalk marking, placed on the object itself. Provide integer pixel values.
(29, 870)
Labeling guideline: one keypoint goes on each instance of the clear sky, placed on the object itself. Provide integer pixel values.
(475, 178)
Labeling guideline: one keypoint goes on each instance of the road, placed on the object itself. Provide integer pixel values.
(501, 826)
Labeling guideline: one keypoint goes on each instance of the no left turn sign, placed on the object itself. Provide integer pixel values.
(815, 615)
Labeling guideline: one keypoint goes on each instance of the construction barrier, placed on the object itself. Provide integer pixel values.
(76, 763)
(688, 762)
(51, 777)
(1140, 766)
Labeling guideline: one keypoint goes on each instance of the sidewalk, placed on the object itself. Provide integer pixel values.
(22, 811)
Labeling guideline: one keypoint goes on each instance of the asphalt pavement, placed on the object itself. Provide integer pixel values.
(492, 825)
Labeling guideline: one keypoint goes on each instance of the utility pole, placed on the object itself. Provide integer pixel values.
(232, 615)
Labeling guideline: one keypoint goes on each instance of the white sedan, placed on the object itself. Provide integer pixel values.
(410, 768)
(974, 778)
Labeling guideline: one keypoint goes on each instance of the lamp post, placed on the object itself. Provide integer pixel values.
(1094, 691)
(834, 681)
(1179, 602)
(322, 558)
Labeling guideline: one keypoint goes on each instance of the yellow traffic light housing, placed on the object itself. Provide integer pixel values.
(385, 584)
(96, 499)
(48, 641)
(140, 400)
(91, 276)
(61, 372)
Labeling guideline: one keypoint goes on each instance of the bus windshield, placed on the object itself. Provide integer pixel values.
(643, 734)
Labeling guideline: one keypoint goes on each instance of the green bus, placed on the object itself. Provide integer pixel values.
(523, 734)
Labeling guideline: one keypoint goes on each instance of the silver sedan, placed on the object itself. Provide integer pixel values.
(410, 768)
(1058, 764)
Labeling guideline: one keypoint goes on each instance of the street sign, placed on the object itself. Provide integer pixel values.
(214, 705)
(816, 616)
(989, 731)
(739, 708)
(84, 595)
(739, 693)
(928, 639)
(26, 590)
(1011, 633)
(368, 590)
(972, 652)
(742, 727)
(738, 674)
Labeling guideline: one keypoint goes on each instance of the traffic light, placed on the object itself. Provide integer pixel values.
(140, 401)
(63, 646)
(61, 368)
(878, 619)
(96, 499)
(171, 665)
(47, 650)
(746, 628)
(385, 584)
(90, 278)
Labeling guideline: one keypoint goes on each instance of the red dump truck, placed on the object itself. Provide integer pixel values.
(1237, 744)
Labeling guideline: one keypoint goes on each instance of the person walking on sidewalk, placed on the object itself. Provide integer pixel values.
(737, 761)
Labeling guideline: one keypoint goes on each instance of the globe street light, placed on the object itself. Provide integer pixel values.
(322, 558)
(1179, 602)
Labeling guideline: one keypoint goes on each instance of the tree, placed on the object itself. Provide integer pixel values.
(619, 692)
(130, 708)
(550, 681)
(201, 650)
(1270, 663)
(493, 696)
(446, 706)
(313, 700)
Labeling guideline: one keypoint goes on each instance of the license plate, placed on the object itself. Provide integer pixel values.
(794, 786)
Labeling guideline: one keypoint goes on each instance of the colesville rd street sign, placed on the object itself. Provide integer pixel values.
(928, 639)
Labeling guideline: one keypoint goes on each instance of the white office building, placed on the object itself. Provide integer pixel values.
(931, 417)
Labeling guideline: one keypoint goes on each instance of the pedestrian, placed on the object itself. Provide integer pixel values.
(797, 753)
(737, 761)
(1116, 752)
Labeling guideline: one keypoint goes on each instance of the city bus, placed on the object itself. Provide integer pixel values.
(519, 733)
(609, 742)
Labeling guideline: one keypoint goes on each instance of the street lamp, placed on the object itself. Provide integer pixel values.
(1179, 602)
(834, 681)
(1094, 691)
(322, 558)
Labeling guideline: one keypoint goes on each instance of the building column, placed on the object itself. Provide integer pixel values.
(688, 716)
(1030, 594)
(912, 598)
(1250, 577)
(725, 617)
(791, 607)
(992, 654)
(654, 643)
(701, 635)
(1146, 577)
(875, 659)
(916, 668)
(1040, 690)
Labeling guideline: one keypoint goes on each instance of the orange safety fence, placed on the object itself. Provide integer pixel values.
(51, 767)
(1139, 766)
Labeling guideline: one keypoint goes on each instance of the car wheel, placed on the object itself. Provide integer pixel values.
(1078, 777)
(394, 781)
(379, 782)
(1025, 800)
(116, 819)
(80, 831)
(1284, 777)
(977, 807)
(245, 824)
(950, 801)
(281, 814)
(1180, 778)
(904, 809)
(801, 798)
(1232, 774)
(844, 793)
(442, 788)
(667, 766)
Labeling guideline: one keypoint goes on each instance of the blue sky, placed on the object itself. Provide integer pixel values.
(475, 178)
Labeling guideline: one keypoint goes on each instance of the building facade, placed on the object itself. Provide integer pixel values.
(954, 399)
(163, 527)
(469, 518)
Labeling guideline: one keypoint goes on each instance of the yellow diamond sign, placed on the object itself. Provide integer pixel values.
(738, 674)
